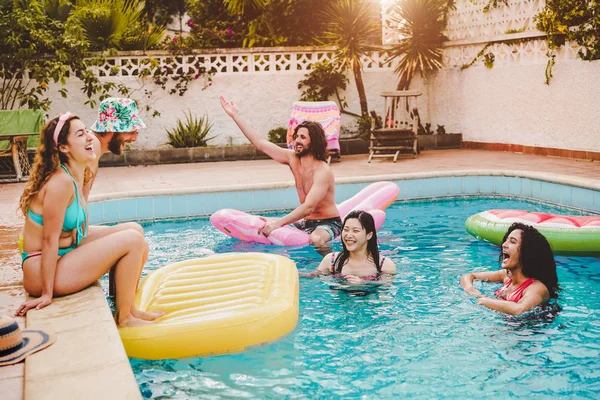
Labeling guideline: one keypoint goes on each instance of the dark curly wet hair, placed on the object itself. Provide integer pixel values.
(535, 256)
(318, 142)
(367, 222)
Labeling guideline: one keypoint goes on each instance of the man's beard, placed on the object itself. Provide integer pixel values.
(115, 145)
(305, 151)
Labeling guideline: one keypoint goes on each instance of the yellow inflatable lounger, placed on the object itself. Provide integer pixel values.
(220, 304)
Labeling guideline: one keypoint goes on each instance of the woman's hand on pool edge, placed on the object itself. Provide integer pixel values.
(38, 304)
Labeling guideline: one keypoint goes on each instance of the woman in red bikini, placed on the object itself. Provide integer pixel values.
(359, 261)
(528, 273)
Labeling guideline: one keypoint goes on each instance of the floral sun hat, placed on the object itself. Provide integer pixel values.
(118, 115)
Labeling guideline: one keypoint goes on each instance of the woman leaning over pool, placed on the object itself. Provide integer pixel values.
(59, 258)
(528, 273)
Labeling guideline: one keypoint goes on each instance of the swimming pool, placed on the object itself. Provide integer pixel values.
(421, 337)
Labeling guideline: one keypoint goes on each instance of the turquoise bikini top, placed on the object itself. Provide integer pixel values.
(75, 216)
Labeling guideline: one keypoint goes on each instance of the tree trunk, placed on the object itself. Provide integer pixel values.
(403, 83)
(360, 86)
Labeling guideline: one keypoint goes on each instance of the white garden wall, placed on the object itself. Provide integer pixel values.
(264, 96)
(509, 103)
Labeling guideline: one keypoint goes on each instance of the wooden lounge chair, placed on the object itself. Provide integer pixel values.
(397, 131)
(19, 129)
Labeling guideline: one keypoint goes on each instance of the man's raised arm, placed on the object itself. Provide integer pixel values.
(271, 149)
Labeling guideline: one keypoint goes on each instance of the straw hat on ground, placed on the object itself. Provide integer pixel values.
(15, 344)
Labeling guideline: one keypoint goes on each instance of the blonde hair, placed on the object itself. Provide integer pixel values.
(47, 160)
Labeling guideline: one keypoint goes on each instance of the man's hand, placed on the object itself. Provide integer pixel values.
(269, 227)
(229, 107)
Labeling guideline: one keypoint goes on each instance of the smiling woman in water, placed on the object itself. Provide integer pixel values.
(359, 261)
(528, 273)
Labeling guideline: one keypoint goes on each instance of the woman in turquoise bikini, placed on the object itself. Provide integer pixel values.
(360, 261)
(528, 273)
(59, 258)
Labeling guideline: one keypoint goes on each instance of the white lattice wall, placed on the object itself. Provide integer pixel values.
(237, 61)
(263, 82)
(527, 51)
(469, 21)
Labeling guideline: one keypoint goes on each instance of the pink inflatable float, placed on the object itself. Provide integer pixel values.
(374, 198)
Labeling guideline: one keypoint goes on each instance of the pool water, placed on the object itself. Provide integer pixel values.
(420, 337)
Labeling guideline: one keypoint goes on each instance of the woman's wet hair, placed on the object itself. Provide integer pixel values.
(47, 159)
(535, 256)
(318, 142)
(367, 222)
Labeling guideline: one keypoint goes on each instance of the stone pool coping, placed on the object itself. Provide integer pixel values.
(585, 183)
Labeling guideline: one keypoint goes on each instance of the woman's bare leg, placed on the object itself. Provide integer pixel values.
(97, 231)
(84, 265)
(126, 281)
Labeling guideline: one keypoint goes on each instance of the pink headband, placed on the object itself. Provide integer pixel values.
(61, 122)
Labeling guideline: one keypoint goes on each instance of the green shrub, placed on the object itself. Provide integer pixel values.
(425, 130)
(192, 133)
(322, 82)
(364, 127)
(278, 135)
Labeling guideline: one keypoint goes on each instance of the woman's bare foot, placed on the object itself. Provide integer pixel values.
(132, 321)
(145, 315)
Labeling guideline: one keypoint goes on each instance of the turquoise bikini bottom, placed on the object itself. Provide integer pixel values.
(61, 252)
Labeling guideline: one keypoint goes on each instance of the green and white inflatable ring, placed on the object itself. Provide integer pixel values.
(567, 234)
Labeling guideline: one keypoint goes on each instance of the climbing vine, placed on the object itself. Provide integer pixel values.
(570, 21)
(563, 21)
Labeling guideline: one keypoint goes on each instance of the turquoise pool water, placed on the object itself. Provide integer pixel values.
(421, 337)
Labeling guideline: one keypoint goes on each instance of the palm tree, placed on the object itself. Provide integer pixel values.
(350, 27)
(115, 24)
(420, 24)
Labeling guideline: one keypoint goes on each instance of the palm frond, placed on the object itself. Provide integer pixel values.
(350, 28)
(239, 6)
(105, 22)
(420, 25)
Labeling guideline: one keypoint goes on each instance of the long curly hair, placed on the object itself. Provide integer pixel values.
(318, 142)
(535, 256)
(47, 160)
(367, 222)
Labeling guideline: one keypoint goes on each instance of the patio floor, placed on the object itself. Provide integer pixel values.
(222, 174)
